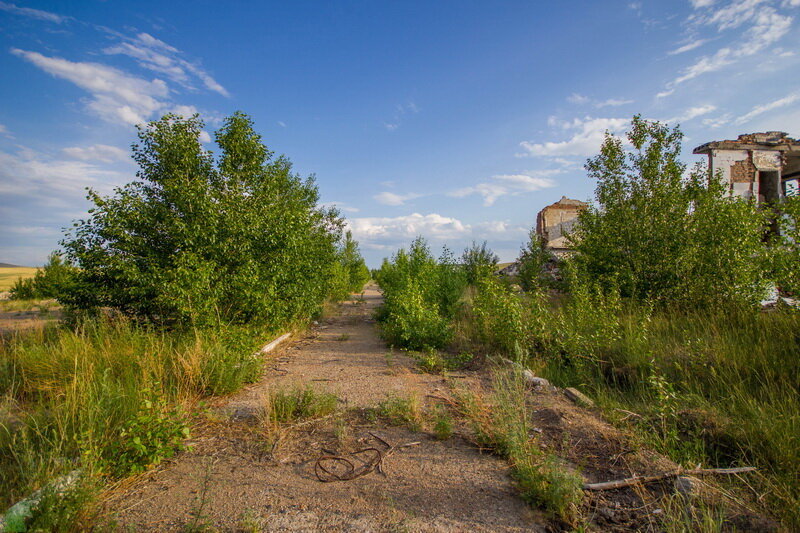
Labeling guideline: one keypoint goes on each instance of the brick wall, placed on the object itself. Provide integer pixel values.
(743, 171)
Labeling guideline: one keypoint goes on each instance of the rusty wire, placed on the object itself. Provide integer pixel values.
(323, 468)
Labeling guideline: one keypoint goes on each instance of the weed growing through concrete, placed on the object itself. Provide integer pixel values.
(402, 411)
(501, 424)
(299, 404)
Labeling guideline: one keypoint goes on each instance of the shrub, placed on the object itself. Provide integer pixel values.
(532, 259)
(414, 323)
(478, 262)
(199, 241)
(421, 296)
(155, 433)
(52, 281)
(498, 318)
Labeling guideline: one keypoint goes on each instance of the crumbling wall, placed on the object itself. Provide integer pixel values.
(556, 221)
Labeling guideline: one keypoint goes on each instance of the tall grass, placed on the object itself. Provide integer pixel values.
(720, 387)
(106, 396)
(501, 424)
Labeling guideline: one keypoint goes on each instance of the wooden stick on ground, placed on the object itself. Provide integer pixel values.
(640, 480)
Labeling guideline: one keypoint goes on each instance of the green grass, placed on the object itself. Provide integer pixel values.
(9, 275)
(717, 388)
(404, 411)
(500, 423)
(299, 404)
(105, 398)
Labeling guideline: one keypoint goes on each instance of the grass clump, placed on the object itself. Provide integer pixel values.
(442, 423)
(501, 424)
(403, 411)
(299, 404)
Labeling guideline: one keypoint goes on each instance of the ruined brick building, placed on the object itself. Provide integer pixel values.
(764, 166)
(555, 221)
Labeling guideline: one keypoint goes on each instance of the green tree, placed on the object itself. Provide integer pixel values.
(52, 281)
(657, 235)
(531, 261)
(197, 240)
(478, 262)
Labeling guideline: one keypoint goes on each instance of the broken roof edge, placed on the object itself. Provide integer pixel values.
(565, 202)
(770, 140)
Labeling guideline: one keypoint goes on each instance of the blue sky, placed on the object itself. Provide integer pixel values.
(454, 120)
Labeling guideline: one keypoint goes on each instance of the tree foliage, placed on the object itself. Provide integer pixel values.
(661, 236)
(532, 259)
(478, 262)
(51, 281)
(198, 239)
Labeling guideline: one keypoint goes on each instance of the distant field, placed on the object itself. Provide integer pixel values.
(9, 275)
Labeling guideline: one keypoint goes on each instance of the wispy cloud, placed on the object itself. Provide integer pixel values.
(116, 96)
(692, 113)
(763, 108)
(696, 43)
(763, 26)
(401, 110)
(390, 198)
(612, 102)
(156, 55)
(97, 152)
(585, 141)
(50, 182)
(509, 184)
(33, 13)
(580, 99)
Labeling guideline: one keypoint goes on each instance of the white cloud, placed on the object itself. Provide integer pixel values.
(390, 198)
(51, 182)
(281, 124)
(761, 109)
(612, 102)
(156, 55)
(701, 3)
(204, 137)
(764, 27)
(33, 13)
(579, 99)
(97, 152)
(407, 227)
(688, 47)
(693, 112)
(386, 233)
(509, 184)
(717, 122)
(586, 141)
(116, 96)
(184, 110)
(390, 127)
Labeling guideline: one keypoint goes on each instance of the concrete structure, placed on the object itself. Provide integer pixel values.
(764, 166)
(555, 221)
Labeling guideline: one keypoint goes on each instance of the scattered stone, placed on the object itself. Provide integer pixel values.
(687, 486)
(578, 397)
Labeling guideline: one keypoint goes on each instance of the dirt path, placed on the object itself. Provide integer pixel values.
(237, 477)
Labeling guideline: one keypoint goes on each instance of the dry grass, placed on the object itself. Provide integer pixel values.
(8, 276)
